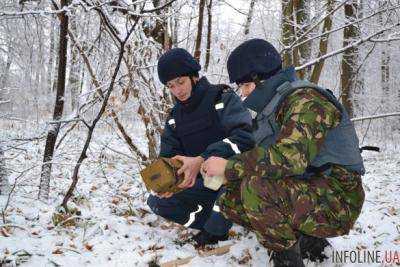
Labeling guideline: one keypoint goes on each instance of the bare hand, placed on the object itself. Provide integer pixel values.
(214, 166)
(190, 169)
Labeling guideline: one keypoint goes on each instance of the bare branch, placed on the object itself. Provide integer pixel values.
(294, 45)
(314, 26)
(114, 115)
(354, 44)
(376, 116)
(385, 40)
(100, 113)
(234, 8)
(4, 210)
(158, 8)
(66, 121)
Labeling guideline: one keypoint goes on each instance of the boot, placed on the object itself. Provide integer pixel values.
(288, 258)
(205, 238)
(312, 248)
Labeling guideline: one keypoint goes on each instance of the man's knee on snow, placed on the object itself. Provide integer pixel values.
(154, 203)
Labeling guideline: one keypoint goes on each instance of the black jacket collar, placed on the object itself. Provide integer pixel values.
(198, 92)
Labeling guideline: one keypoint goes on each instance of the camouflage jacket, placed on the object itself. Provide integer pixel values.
(305, 117)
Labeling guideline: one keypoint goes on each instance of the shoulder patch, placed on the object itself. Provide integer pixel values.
(253, 113)
(219, 105)
(170, 119)
(171, 122)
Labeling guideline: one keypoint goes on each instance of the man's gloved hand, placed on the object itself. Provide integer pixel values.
(190, 169)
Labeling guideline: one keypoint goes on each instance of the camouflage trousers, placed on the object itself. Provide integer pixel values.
(278, 211)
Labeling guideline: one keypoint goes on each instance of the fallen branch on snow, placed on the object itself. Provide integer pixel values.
(376, 116)
(216, 251)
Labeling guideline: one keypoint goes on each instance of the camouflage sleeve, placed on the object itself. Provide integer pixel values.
(305, 118)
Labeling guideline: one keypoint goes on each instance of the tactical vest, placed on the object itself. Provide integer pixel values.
(341, 145)
(201, 127)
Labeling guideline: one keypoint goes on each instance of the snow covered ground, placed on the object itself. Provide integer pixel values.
(116, 228)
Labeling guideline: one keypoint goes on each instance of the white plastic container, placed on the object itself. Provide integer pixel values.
(213, 182)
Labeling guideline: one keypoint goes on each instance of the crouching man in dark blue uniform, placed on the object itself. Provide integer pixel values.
(207, 120)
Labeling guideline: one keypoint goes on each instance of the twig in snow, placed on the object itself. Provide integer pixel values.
(376, 116)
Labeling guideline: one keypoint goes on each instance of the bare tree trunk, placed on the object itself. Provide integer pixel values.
(385, 78)
(249, 17)
(167, 34)
(5, 75)
(360, 70)
(50, 65)
(302, 54)
(175, 31)
(38, 68)
(197, 52)
(44, 186)
(53, 55)
(385, 61)
(74, 75)
(385, 73)
(159, 31)
(350, 60)
(209, 29)
(287, 31)
(3, 173)
(323, 44)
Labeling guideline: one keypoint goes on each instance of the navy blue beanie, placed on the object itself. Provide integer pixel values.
(175, 63)
(253, 58)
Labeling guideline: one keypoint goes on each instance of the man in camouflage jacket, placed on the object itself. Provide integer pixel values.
(302, 183)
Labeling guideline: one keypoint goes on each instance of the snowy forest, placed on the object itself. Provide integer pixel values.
(82, 111)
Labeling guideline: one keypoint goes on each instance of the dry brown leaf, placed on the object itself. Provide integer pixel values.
(130, 221)
(57, 251)
(392, 211)
(165, 227)
(125, 189)
(232, 233)
(4, 232)
(155, 247)
(89, 247)
(115, 200)
(142, 212)
(35, 233)
(246, 257)
(361, 247)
